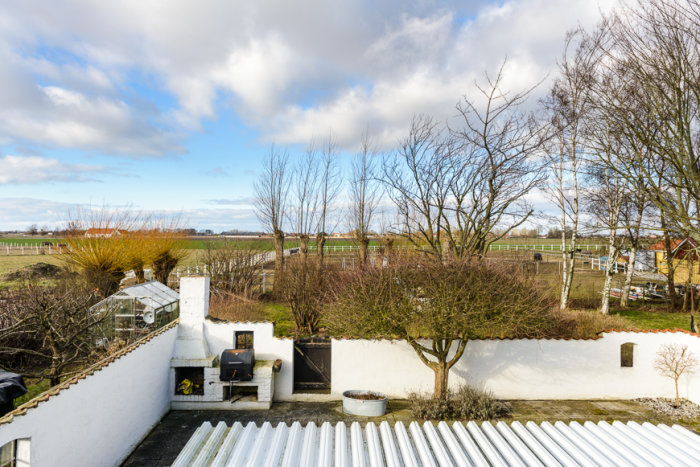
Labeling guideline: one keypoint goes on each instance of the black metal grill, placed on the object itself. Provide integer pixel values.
(237, 365)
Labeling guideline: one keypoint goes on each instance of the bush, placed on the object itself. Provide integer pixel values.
(467, 403)
(304, 286)
(229, 307)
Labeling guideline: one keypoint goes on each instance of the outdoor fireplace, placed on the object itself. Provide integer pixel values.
(199, 379)
(189, 381)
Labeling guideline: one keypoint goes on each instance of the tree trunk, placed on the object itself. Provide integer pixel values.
(670, 284)
(139, 273)
(678, 400)
(304, 246)
(320, 243)
(279, 252)
(364, 245)
(624, 298)
(388, 249)
(441, 375)
(609, 271)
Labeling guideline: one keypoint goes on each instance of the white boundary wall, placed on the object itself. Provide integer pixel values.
(219, 336)
(99, 420)
(520, 369)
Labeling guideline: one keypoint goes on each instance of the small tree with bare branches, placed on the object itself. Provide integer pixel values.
(674, 360)
(49, 331)
(364, 196)
(271, 191)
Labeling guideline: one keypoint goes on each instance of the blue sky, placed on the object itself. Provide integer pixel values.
(168, 107)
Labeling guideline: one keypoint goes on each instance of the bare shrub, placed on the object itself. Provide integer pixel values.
(48, 331)
(583, 324)
(232, 269)
(229, 307)
(304, 285)
(672, 361)
(466, 403)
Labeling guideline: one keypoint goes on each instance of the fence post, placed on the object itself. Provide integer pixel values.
(264, 282)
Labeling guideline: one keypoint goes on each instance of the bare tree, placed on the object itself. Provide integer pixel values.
(364, 196)
(498, 167)
(233, 270)
(49, 331)
(305, 187)
(568, 105)
(418, 178)
(674, 360)
(271, 190)
(329, 188)
(634, 207)
(607, 192)
(654, 53)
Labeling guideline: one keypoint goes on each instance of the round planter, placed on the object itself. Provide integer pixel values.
(358, 403)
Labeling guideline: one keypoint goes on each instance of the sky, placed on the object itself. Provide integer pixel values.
(168, 107)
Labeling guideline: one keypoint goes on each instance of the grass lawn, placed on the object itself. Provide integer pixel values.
(646, 318)
(12, 263)
(34, 388)
(281, 315)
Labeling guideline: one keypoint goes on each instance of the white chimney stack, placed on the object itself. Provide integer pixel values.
(191, 349)
(194, 300)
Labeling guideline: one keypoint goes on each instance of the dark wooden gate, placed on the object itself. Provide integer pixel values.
(312, 364)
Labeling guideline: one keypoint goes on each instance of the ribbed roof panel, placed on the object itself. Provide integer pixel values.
(456, 444)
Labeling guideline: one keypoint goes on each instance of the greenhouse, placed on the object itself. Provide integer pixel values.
(137, 310)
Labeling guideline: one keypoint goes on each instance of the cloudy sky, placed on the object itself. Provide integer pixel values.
(168, 106)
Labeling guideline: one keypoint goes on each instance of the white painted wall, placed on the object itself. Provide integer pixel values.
(99, 420)
(519, 369)
(219, 337)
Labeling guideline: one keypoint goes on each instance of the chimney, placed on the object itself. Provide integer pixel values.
(191, 348)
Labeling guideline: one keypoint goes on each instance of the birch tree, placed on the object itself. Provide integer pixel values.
(569, 105)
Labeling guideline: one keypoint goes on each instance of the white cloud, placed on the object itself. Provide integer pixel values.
(35, 169)
(291, 69)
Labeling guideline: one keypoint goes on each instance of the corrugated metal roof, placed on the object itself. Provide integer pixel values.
(458, 444)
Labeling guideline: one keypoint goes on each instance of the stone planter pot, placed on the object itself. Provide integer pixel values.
(364, 403)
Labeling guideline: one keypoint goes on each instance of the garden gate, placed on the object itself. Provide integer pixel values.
(312, 363)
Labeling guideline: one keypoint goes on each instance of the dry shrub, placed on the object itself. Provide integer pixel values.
(304, 285)
(583, 324)
(232, 269)
(230, 307)
(466, 403)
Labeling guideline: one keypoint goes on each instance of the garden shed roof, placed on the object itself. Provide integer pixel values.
(456, 444)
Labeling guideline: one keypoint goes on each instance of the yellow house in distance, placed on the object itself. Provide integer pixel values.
(685, 260)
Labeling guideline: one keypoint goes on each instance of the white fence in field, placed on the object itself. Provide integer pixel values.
(542, 247)
(18, 249)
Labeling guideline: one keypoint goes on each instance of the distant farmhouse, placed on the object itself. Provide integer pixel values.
(684, 260)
